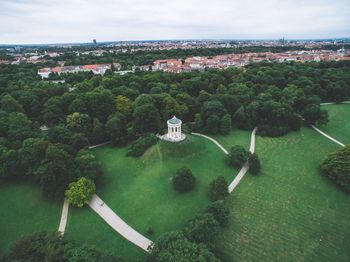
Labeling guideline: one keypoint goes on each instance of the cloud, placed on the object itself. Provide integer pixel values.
(42, 21)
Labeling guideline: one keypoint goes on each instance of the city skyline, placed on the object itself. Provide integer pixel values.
(42, 22)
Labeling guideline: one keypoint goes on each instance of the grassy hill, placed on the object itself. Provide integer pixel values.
(140, 191)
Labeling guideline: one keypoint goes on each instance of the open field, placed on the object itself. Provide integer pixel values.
(289, 212)
(24, 212)
(339, 122)
(139, 190)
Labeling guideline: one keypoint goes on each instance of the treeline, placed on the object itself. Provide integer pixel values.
(89, 109)
(52, 247)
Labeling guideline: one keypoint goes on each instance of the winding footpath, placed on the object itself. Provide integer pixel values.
(244, 168)
(327, 136)
(323, 133)
(118, 224)
(64, 216)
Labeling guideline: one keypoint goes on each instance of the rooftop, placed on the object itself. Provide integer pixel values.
(174, 121)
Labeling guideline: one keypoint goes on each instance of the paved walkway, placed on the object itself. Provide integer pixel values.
(102, 144)
(118, 224)
(244, 168)
(64, 216)
(328, 136)
(332, 103)
(213, 140)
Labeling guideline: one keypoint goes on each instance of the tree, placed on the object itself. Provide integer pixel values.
(52, 247)
(225, 124)
(337, 167)
(87, 165)
(59, 134)
(218, 189)
(212, 124)
(9, 163)
(20, 128)
(9, 104)
(254, 164)
(79, 123)
(31, 154)
(202, 229)
(314, 114)
(237, 156)
(80, 192)
(116, 130)
(220, 212)
(140, 146)
(174, 246)
(79, 141)
(55, 172)
(124, 106)
(147, 119)
(184, 181)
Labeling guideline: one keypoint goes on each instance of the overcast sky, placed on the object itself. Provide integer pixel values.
(49, 21)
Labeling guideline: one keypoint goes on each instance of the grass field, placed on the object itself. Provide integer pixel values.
(139, 190)
(339, 122)
(85, 226)
(289, 212)
(24, 212)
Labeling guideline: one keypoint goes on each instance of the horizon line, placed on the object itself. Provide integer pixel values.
(177, 39)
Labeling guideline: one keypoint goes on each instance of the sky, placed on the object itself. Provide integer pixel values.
(72, 21)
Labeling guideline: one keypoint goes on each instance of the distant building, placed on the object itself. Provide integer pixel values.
(94, 42)
(96, 69)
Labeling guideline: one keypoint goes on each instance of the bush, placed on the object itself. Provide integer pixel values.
(202, 229)
(254, 164)
(52, 247)
(174, 246)
(184, 181)
(237, 156)
(220, 212)
(79, 193)
(218, 189)
(141, 145)
(337, 167)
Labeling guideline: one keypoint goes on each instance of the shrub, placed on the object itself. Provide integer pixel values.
(220, 212)
(184, 181)
(141, 145)
(237, 156)
(218, 189)
(174, 246)
(337, 167)
(202, 229)
(254, 164)
(79, 193)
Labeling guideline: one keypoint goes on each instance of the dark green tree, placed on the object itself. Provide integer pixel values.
(218, 189)
(237, 156)
(184, 180)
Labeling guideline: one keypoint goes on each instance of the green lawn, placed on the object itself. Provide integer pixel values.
(236, 137)
(139, 190)
(24, 212)
(339, 122)
(289, 212)
(85, 226)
